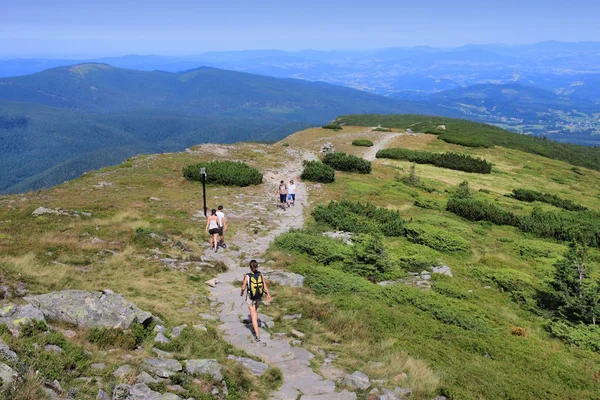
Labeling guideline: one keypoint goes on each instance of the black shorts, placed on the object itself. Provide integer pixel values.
(283, 198)
(221, 231)
(213, 231)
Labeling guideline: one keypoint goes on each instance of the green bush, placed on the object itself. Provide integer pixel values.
(380, 129)
(584, 336)
(347, 162)
(362, 142)
(320, 248)
(369, 259)
(478, 210)
(228, 173)
(449, 290)
(466, 140)
(435, 238)
(531, 196)
(360, 218)
(428, 204)
(316, 171)
(333, 126)
(459, 162)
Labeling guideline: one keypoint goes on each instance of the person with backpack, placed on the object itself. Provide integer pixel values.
(255, 287)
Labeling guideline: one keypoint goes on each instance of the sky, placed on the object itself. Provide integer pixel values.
(68, 28)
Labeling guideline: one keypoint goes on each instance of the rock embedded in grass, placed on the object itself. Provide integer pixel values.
(162, 367)
(204, 367)
(357, 380)
(254, 367)
(285, 278)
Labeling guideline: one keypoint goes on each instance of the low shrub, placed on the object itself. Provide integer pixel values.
(428, 204)
(360, 218)
(531, 196)
(435, 238)
(518, 331)
(449, 290)
(347, 162)
(228, 173)
(380, 129)
(362, 142)
(316, 171)
(583, 336)
(369, 259)
(479, 210)
(333, 126)
(456, 161)
(465, 140)
(320, 248)
(517, 283)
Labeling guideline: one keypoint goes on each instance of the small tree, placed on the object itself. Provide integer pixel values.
(462, 190)
(413, 179)
(577, 295)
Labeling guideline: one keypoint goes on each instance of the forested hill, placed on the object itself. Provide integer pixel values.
(59, 123)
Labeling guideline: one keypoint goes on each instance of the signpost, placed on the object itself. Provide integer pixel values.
(203, 173)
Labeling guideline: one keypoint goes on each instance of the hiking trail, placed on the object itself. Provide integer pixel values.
(299, 380)
(378, 145)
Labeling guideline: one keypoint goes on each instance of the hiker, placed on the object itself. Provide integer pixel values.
(283, 193)
(291, 193)
(222, 227)
(212, 228)
(256, 286)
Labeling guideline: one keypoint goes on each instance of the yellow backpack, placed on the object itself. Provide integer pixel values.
(256, 287)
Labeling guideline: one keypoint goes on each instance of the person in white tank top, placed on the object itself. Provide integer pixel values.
(291, 193)
(213, 228)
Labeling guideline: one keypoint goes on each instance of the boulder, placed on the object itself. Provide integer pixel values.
(102, 395)
(285, 278)
(7, 375)
(161, 367)
(200, 327)
(169, 396)
(160, 338)
(15, 316)
(297, 334)
(442, 269)
(98, 366)
(388, 395)
(52, 348)
(254, 367)
(357, 380)
(145, 377)
(123, 371)
(162, 354)
(204, 367)
(139, 391)
(89, 309)
(292, 317)
(6, 353)
(177, 330)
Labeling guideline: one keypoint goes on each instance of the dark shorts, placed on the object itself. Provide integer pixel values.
(292, 196)
(283, 198)
(221, 231)
(213, 231)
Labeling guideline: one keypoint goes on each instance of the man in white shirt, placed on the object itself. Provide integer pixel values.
(222, 221)
(291, 193)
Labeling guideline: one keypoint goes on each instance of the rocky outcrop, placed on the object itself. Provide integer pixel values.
(7, 375)
(357, 380)
(204, 367)
(162, 367)
(254, 367)
(285, 278)
(89, 309)
(138, 391)
(59, 211)
(15, 316)
(6, 354)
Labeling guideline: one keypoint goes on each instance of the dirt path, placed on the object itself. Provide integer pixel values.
(372, 151)
(299, 380)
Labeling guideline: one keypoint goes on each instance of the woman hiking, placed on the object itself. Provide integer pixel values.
(282, 190)
(213, 229)
(256, 286)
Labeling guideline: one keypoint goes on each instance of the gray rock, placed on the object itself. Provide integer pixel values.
(103, 184)
(123, 371)
(177, 330)
(44, 210)
(98, 366)
(5, 292)
(169, 396)
(200, 327)
(162, 354)
(7, 375)
(285, 278)
(89, 309)
(254, 367)
(343, 395)
(159, 329)
(297, 334)
(69, 334)
(162, 368)
(204, 367)
(160, 338)
(442, 269)
(50, 394)
(6, 353)
(102, 395)
(53, 348)
(357, 380)
(208, 317)
(176, 388)
(145, 377)
(292, 317)
(139, 391)
(296, 342)
(402, 392)
(16, 316)
(388, 395)
(54, 385)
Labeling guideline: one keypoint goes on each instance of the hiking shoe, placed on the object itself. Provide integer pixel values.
(257, 339)
(223, 245)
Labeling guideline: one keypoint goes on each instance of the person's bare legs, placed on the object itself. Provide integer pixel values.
(254, 318)
(215, 239)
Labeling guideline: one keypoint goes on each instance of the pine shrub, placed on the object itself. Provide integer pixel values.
(532, 195)
(316, 171)
(333, 126)
(455, 161)
(362, 142)
(347, 162)
(228, 173)
(435, 238)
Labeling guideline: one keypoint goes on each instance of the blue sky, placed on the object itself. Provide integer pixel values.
(63, 28)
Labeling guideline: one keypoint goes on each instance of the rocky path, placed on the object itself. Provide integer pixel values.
(299, 380)
(378, 145)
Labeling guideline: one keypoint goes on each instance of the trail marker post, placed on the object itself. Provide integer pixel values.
(203, 173)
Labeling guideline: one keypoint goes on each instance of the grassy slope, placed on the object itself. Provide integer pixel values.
(54, 253)
(470, 365)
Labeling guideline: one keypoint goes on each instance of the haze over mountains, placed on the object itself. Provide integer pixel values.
(59, 123)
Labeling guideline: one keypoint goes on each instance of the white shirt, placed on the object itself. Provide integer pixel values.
(292, 188)
(220, 217)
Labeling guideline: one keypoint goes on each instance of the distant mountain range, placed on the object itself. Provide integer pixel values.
(56, 124)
